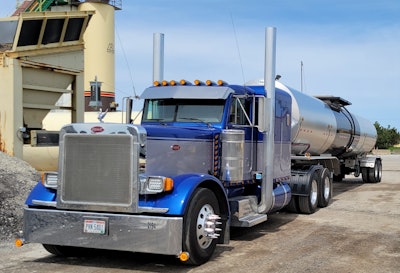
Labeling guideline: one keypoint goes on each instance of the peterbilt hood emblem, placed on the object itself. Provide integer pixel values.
(97, 129)
(175, 147)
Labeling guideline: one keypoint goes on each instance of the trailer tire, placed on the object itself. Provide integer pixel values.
(325, 188)
(375, 174)
(308, 204)
(364, 175)
(202, 205)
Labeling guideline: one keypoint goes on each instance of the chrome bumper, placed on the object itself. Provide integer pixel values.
(136, 233)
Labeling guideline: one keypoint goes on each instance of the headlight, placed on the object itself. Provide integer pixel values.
(50, 179)
(156, 184)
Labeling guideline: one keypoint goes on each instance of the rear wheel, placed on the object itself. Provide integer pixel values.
(375, 174)
(308, 204)
(372, 175)
(293, 205)
(200, 230)
(325, 189)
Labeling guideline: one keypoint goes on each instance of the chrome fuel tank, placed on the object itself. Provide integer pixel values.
(323, 125)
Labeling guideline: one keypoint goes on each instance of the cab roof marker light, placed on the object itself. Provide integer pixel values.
(156, 83)
(198, 82)
(209, 82)
(164, 83)
(172, 83)
(221, 83)
(184, 82)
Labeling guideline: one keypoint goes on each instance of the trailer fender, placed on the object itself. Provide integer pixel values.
(40, 192)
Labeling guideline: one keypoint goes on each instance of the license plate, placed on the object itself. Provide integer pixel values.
(94, 226)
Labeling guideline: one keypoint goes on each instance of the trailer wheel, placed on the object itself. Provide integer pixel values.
(199, 237)
(364, 175)
(325, 189)
(375, 174)
(308, 204)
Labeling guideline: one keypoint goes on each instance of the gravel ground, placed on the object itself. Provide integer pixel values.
(17, 178)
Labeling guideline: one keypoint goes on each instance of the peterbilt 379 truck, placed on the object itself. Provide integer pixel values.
(194, 167)
(206, 157)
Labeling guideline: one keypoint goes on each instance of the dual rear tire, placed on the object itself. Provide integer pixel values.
(319, 192)
(372, 175)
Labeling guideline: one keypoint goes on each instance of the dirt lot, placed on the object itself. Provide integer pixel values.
(358, 232)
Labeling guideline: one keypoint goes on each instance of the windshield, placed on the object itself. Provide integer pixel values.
(183, 110)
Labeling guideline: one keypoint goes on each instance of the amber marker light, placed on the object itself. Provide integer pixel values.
(19, 242)
(197, 82)
(156, 83)
(168, 184)
(43, 177)
(164, 83)
(221, 82)
(172, 82)
(183, 256)
(182, 82)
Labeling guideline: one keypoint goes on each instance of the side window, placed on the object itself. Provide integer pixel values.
(240, 111)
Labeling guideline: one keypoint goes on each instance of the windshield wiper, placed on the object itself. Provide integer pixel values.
(155, 119)
(197, 119)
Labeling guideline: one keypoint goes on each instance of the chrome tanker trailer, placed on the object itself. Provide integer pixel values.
(323, 127)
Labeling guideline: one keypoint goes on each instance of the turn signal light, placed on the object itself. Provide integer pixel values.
(168, 184)
(19, 242)
(184, 256)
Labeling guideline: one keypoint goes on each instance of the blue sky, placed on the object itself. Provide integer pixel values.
(348, 48)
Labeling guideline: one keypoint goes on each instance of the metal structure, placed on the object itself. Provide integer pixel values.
(42, 53)
(41, 58)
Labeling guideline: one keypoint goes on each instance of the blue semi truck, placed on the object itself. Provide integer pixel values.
(175, 184)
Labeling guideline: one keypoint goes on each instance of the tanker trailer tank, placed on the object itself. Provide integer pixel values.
(323, 125)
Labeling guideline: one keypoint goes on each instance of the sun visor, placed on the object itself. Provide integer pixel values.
(187, 92)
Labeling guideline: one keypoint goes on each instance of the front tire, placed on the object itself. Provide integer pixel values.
(66, 251)
(197, 241)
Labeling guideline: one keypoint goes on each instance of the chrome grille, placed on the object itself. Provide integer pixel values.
(99, 172)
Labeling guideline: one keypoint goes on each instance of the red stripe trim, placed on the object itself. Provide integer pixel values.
(102, 94)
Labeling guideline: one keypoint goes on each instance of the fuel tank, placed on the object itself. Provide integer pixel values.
(323, 125)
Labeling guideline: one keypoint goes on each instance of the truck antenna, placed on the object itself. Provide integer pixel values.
(238, 49)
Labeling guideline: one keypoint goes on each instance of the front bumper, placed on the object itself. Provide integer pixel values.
(136, 233)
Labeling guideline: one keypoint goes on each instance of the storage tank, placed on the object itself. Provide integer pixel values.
(99, 53)
(323, 125)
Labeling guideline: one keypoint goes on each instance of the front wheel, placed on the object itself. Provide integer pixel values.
(66, 251)
(200, 231)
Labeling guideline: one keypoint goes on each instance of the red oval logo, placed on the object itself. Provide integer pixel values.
(97, 129)
(175, 147)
